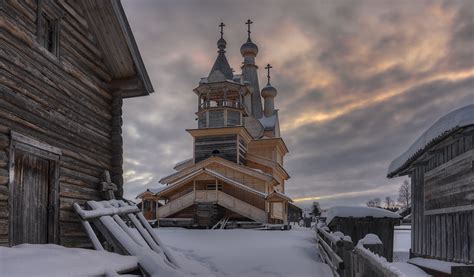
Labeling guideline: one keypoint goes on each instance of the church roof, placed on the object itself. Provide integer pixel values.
(213, 173)
(244, 169)
(221, 65)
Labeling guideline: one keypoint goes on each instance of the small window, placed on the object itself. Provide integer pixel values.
(215, 152)
(48, 34)
(213, 187)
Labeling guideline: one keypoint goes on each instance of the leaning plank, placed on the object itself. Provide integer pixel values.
(89, 214)
(105, 215)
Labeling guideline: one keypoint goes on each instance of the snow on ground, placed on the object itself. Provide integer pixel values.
(410, 270)
(401, 243)
(249, 253)
(435, 264)
(49, 260)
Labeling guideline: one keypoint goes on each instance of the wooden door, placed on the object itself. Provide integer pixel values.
(30, 201)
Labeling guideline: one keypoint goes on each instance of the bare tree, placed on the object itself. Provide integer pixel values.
(388, 202)
(377, 202)
(374, 202)
(404, 194)
(315, 209)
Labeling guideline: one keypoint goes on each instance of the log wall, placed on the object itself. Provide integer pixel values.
(63, 101)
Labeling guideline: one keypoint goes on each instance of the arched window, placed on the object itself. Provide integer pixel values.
(215, 152)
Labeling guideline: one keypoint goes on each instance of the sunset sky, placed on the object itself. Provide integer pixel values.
(358, 82)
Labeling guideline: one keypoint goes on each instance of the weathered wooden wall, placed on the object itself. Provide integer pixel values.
(4, 192)
(443, 221)
(357, 228)
(63, 101)
(226, 145)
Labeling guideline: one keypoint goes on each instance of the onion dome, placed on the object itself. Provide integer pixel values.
(221, 44)
(249, 48)
(269, 91)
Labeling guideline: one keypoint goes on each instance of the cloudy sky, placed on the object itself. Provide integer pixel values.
(358, 82)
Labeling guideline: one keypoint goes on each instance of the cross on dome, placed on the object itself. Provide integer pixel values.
(248, 24)
(268, 67)
(222, 29)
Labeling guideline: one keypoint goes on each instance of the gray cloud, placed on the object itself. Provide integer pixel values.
(327, 56)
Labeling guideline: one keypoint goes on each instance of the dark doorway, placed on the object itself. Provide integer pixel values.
(33, 191)
(30, 199)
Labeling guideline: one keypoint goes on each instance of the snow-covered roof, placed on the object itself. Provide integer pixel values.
(441, 128)
(182, 163)
(281, 195)
(358, 212)
(215, 174)
(152, 191)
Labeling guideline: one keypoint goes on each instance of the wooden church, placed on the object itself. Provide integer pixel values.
(66, 66)
(236, 172)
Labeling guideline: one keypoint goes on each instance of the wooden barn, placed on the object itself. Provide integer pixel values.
(66, 66)
(357, 222)
(441, 167)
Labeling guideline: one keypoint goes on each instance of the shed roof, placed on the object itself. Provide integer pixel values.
(442, 128)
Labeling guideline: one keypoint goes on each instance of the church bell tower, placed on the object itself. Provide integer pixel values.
(220, 112)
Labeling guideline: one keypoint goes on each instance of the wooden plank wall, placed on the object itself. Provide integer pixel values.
(447, 236)
(4, 192)
(63, 101)
(225, 144)
(357, 228)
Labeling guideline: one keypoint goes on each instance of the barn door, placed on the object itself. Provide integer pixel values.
(30, 199)
(33, 217)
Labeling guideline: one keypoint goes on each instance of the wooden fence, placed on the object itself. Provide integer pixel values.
(347, 260)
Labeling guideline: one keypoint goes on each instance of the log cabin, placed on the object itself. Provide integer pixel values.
(236, 172)
(66, 67)
(441, 166)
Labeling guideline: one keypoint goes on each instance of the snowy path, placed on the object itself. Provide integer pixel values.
(246, 252)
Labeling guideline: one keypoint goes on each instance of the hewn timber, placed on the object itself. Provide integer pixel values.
(67, 98)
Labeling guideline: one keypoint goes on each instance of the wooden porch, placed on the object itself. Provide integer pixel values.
(212, 196)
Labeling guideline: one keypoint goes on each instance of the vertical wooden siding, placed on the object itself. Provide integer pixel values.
(448, 236)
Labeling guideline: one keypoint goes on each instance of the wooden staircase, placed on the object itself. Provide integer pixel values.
(205, 199)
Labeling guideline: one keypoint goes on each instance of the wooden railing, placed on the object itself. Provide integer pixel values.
(241, 207)
(221, 104)
(176, 205)
(347, 260)
(223, 199)
(335, 251)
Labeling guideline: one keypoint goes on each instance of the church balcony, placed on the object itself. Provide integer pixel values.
(220, 104)
(226, 114)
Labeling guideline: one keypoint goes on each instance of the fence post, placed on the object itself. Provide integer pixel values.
(347, 256)
(374, 244)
